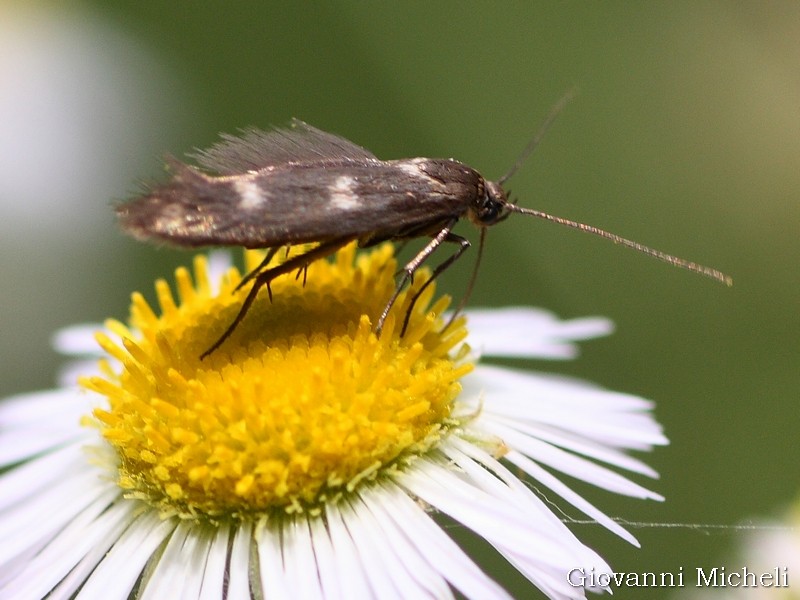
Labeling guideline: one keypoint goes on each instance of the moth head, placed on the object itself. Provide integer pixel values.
(491, 205)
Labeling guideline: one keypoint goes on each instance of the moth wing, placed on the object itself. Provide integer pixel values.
(374, 200)
(256, 149)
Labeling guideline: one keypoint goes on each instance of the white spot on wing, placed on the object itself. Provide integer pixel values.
(171, 219)
(412, 168)
(251, 196)
(342, 194)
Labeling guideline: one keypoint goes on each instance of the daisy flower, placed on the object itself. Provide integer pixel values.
(307, 457)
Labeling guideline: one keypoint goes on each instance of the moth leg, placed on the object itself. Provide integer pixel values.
(262, 265)
(463, 245)
(248, 301)
(264, 278)
(414, 264)
(304, 272)
(471, 285)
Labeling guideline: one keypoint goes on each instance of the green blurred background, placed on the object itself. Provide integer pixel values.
(685, 137)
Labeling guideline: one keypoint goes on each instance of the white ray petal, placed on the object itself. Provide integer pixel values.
(325, 557)
(371, 541)
(557, 486)
(77, 340)
(54, 407)
(577, 444)
(270, 559)
(349, 557)
(44, 569)
(530, 333)
(239, 575)
(214, 574)
(35, 477)
(611, 418)
(179, 571)
(29, 523)
(402, 546)
(219, 262)
(435, 546)
(299, 561)
(117, 573)
(18, 445)
(546, 479)
(544, 563)
(565, 462)
(98, 537)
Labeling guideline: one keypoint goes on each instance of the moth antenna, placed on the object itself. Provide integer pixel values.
(662, 256)
(554, 112)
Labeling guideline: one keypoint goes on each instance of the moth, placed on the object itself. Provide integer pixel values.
(300, 185)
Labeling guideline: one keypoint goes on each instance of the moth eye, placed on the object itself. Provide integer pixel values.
(489, 210)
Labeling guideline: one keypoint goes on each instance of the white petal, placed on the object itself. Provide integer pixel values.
(193, 558)
(60, 407)
(74, 552)
(31, 424)
(71, 371)
(239, 576)
(219, 261)
(399, 548)
(370, 537)
(178, 572)
(578, 444)
(214, 574)
(299, 560)
(494, 511)
(78, 340)
(36, 477)
(435, 547)
(117, 573)
(575, 466)
(324, 554)
(530, 332)
(350, 558)
(538, 474)
(19, 445)
(610, 418)
(270, 560)
(547, 479)
(38, 519)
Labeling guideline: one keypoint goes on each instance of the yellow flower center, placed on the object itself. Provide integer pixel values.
(301, 404)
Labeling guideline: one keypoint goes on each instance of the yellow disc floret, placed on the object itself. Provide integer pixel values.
(301, 404)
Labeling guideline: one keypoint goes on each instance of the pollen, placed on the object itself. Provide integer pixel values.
(301, 405)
